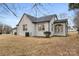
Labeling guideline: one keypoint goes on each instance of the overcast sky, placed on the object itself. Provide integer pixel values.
(61, 9)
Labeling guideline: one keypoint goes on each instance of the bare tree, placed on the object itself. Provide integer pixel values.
(5, 28)
(75, 8)
(76, 21)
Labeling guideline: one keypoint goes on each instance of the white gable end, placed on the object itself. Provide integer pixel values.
(30, 26)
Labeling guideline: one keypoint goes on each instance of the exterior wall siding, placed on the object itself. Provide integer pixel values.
(50, 25)
(13, 31)
(41, 33)
(30, 26)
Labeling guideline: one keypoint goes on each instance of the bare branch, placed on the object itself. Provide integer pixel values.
(42, 6)
(41, 11)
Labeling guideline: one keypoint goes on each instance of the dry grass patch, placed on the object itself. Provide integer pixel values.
(19, 45)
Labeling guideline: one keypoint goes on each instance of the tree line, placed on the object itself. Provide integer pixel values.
(5, 29)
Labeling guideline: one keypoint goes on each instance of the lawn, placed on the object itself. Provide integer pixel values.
(11, 45)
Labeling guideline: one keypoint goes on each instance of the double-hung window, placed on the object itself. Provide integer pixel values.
(25, 27)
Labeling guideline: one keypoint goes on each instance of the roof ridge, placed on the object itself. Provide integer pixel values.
(36, 19)
(41, 16)
(29, 15)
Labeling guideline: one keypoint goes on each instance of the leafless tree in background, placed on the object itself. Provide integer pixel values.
(75, 8)
(5, 29)
(76, 20)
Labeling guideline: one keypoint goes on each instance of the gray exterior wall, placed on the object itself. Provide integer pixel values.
(33, 28)
(47, 25)
(41, 33)
(13, 31)
(30, 27)
(50, 26)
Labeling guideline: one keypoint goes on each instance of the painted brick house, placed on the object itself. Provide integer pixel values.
(33, 26)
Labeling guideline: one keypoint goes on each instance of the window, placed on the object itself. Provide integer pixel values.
(41, 27)
(25, 27)
(58, 28)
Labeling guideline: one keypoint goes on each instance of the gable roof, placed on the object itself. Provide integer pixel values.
(45, 18)
(29, 16)
(40, 19)
(32, 18)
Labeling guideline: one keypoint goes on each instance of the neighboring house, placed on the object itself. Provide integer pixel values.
(14, 31)
(32, 26)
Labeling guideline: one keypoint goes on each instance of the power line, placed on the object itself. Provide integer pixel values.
(44, 8)
(35, 7)
(41, 11)
(9, 9)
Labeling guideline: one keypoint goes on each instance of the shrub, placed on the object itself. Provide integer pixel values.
(47, 34)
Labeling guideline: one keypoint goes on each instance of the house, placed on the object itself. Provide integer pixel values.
(33, 26)
(14, 31)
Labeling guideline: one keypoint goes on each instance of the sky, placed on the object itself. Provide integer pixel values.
(61, 9)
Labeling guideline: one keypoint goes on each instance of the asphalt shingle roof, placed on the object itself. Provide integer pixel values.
(40, 19)
(61, 21)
